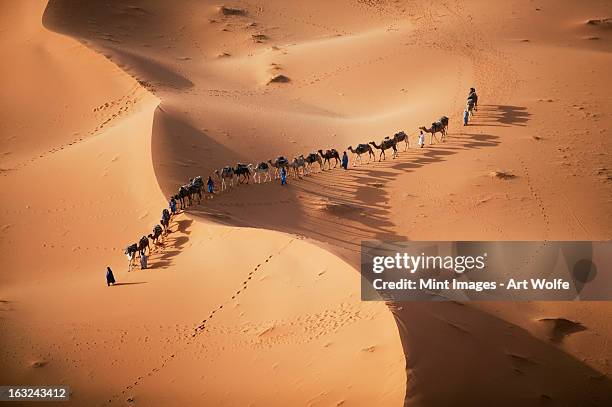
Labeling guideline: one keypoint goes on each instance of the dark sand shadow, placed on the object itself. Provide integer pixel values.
(501, 115)
(132, 283)
(459, 355)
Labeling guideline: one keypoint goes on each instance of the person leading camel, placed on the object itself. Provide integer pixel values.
(345, 161)
(172, 206)
(283, 176)
(436, 127)
(211, 185)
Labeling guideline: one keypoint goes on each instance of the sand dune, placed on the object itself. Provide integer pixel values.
(254, 297)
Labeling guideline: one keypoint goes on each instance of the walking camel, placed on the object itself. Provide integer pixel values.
(296, 164)
(311, 159)
(436, 127)
(261, 168)
(156, 235)
(327, 156)
(243, 172)
(386, 144)
(401, 136)
(361, 149)
(279, 163)
(225, 175)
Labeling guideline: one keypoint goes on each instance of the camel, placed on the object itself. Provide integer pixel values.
(279, 163)
(444, 121)
(386, 144)
(474, 98)
(327, 156)
(401, 136)
(470, 107)
(262, 168)
(130, 252)
(243, 172)
(165, 223)
(226, 173)
(155, 236)
(195, 186)
(311, 159)
(183, 193)
(362, 148)
(296, 164)
(436, 127)
(143, 245)
(165, 220)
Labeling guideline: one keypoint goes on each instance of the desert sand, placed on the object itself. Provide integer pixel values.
(106, 108)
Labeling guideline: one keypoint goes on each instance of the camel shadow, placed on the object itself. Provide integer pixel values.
(132, 283)
(172, 244)
(506, 115)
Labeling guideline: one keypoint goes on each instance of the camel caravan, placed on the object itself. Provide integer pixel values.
(262, 172)
(267, 171)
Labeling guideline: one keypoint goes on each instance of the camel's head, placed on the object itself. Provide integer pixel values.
(422, 128)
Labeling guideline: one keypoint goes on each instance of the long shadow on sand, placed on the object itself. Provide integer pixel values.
(336, 208)
(132, 283)
(502, 115)
(173, 244)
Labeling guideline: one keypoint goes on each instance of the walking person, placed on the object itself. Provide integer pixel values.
(211, 185)
(143, 261)
(283, 175)
(110, 278)
(421, 139)
(345, 161)
(172, 205)
(466, 117)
